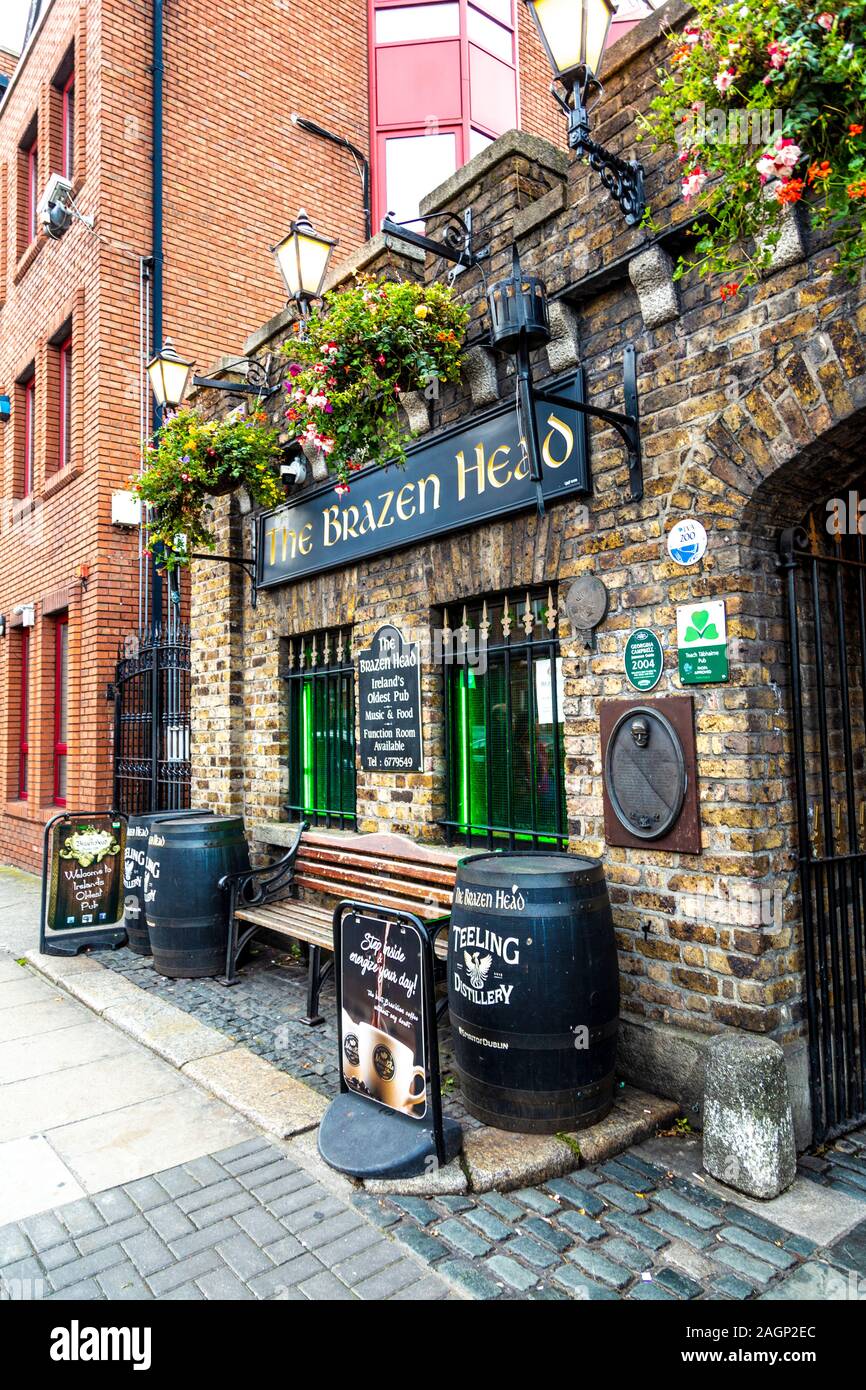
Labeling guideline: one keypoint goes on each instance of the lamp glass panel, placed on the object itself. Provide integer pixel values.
(313, 255)
(598, 17)
(174, 378)
(286, 253)
(561, 23)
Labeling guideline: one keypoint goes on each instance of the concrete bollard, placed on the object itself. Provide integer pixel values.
(748, 1126)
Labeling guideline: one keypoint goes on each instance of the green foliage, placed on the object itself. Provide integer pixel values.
(366, 346)
(766, 56)
(190, 459)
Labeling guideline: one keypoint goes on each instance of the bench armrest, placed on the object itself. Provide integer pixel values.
(254, 886)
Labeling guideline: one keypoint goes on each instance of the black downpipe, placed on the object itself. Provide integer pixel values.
(156, 222)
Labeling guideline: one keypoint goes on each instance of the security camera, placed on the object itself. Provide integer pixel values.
(295, 471)
(56, 210)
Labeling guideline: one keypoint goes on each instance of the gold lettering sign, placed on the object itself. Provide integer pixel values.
(462, 477)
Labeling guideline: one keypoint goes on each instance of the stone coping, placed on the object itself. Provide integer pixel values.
(285, 1107)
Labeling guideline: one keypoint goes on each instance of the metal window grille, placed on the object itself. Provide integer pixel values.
(321, 690)
(504, 746)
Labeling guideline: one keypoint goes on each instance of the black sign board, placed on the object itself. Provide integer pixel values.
(382, 1013)
(82, 882)
(465, 476)
(389, 694)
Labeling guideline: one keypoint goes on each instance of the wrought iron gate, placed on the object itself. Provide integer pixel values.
(151, 694)
(826, 606)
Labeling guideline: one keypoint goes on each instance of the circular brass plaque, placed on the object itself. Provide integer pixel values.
(645, 772)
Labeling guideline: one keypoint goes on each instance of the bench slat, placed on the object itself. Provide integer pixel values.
(388, 867)
(344, 877)
(426, 911)
(283, 919)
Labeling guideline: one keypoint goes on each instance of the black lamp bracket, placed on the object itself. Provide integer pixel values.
(456, 244)
(258, 381)
(622, 178)
(627, 425)
(245, 562)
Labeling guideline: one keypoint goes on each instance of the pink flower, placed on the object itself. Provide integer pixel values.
(381, 359)
(692, 34)
(826, 20)
(723, 80)
(341, 489)
(693, 183)
(779, 161)
(779, 54)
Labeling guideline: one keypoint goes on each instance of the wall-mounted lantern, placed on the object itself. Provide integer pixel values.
(169, 376)
(302, 259)
(573, 34)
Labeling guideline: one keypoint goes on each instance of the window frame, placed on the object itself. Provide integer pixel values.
(29, 407)
(67, 127)
(61, 703)
(31, 154)
(510, 645)
(24, 716)
(318, 684)
(64, 415)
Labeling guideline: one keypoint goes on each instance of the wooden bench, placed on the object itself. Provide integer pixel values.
(295, 896)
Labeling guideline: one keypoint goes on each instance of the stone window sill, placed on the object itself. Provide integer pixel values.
(60, 479)
(27, 257)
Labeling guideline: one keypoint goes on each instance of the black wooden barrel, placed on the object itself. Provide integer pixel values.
(137, 832)
(187, 912)
(533, 990)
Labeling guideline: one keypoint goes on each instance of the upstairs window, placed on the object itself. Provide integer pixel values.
(504, 722)
(67, 127)
(32, 159)
(321, 688)
(64, 443)
(29, 397)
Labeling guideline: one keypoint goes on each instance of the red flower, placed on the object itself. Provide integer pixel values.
(855, 129)
(790, 192)
(728, 291)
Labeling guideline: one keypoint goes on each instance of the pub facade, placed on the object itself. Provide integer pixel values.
(438, 654)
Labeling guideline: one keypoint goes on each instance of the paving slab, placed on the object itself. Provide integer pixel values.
(137, 1140)
(820, 1213)
(95, 986)
(54, 1051)
(272, 1099)
(818, 1283)
(55, 1011)
(26, 990)
(87, 1090)
(33, 1178)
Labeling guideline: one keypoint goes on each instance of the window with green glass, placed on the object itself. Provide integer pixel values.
(321, 687)
(504, 722)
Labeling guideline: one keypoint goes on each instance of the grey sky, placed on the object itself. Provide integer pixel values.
(13, 17)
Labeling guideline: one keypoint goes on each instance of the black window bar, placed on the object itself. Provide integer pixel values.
(504, 745)
(321, 690)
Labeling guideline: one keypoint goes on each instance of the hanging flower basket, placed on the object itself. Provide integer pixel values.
(766, 103)
(368, 346)
(191, 460)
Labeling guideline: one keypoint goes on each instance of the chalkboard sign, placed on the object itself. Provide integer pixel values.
(382, 1013)
(82, 881)
(389, 692)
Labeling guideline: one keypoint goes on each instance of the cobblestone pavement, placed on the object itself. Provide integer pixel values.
(627, 1229)
(245, 1223)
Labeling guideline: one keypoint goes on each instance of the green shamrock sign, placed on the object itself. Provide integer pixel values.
(702, 642)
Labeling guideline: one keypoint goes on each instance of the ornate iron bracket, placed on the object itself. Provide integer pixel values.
(622, 178)
(246, 562)
(258, 382)
(627, 425)
(456, 244)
